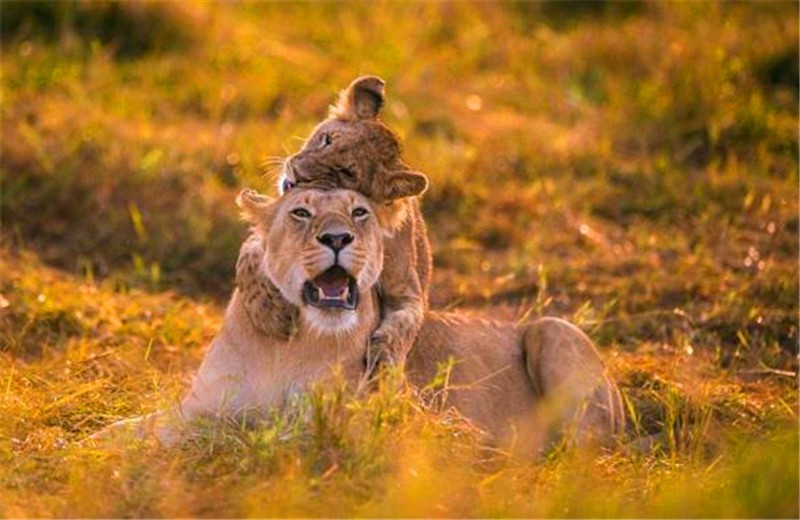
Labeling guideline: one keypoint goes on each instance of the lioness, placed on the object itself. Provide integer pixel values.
(354, 149)
(322, 254)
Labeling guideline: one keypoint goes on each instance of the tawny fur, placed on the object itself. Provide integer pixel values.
(260, 299)
(524, 385)
(516, 383)
(353, 149)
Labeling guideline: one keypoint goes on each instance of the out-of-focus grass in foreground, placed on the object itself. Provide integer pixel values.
(631, 167)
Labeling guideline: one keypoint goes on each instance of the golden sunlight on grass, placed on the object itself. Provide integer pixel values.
(631, 167)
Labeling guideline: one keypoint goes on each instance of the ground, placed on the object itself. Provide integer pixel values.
(630, 167)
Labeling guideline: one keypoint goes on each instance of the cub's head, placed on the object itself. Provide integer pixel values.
(353, 149)
(324, 250)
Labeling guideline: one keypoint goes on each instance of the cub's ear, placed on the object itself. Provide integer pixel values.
(255, 207)
(405, 184)
(363, 99)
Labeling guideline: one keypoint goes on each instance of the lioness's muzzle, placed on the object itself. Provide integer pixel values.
(333, 289)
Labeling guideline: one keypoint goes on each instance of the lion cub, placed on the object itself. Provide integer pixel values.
(353, 149)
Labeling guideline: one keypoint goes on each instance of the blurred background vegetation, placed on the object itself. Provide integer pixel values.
(630, 166)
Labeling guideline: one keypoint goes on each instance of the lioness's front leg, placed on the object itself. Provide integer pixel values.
(217, 391)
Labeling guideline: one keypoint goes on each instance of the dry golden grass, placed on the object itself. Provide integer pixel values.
(631, 167)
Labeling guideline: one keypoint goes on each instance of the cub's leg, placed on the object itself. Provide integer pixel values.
(402, 300)
(267, 310)
(422, 251)
(392, 340)
(578, 396)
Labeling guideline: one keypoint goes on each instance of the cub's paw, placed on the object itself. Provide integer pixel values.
(384, 349)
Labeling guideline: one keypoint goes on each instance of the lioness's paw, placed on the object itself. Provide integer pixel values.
(158, 426)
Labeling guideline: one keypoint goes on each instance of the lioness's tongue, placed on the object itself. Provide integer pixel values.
(333, 282)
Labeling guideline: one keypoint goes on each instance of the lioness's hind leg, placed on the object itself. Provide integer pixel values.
(566, 370)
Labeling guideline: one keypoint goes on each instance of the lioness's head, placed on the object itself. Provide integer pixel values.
(324, 250)
(354, 149)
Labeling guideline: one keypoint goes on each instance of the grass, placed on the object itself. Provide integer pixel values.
(631, 167)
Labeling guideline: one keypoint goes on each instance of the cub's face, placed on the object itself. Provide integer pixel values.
(324, 250)
(353, 149)
(352, 154)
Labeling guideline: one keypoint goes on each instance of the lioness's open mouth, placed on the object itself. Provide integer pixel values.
(334, 288)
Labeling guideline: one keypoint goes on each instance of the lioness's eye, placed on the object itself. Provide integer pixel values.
(301, 213)
(360, 212)
(325, 140)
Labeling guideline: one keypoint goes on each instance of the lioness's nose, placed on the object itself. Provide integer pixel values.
(336, 241)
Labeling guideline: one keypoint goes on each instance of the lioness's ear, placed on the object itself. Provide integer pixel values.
(255, 207)
(363, 99)
(405, 184)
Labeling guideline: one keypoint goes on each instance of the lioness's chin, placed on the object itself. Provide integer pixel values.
(329, 321)
(330, 301)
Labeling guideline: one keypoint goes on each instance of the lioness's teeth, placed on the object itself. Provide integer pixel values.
(320, 294)
(346, 295)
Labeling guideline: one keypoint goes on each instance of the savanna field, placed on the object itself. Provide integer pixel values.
(632, 167)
